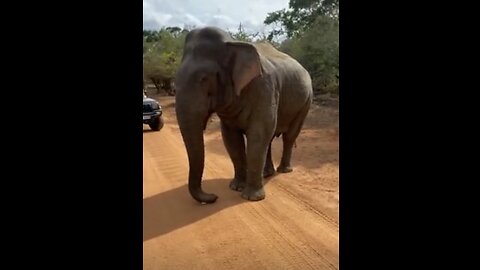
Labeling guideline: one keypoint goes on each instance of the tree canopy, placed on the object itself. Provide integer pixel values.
(162, 52)
(300, 15)
(312, 30)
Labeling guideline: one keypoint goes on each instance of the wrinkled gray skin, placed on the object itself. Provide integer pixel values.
(257, 92)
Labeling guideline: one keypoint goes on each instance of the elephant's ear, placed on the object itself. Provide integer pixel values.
(244, 63)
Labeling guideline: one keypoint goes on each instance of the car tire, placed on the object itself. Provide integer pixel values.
(157, 124)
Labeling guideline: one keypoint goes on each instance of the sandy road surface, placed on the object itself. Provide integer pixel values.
(295, 227)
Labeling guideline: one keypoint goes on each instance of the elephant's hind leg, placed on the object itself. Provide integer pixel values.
(289, 138)
(269, 170)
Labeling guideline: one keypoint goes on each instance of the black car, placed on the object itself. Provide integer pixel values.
(152, 113)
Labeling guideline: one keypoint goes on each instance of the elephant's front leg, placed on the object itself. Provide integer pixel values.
(235, 145)
(257, 146)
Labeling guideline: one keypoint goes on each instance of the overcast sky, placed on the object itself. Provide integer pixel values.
(226, 14)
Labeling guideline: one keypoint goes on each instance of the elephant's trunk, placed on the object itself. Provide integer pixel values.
(191, 126)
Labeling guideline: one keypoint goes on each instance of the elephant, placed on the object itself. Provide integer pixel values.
(258, 93)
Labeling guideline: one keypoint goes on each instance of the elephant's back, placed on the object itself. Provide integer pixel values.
(267, 50)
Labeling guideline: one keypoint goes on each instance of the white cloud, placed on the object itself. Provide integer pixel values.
(191, 19)
(226, 14)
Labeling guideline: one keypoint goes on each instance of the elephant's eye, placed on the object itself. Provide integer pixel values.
(203, 78)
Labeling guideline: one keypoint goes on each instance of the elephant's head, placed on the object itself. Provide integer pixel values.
(214, 71)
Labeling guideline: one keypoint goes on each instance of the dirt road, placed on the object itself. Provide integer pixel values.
(295, 227)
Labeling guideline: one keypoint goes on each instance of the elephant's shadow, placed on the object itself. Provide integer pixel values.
(174, 209)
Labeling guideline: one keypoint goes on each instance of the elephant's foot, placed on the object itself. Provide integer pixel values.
(207, 198)
(267, 172)
(237, 185)
(203, 197)
(253, 194)
(284, 169)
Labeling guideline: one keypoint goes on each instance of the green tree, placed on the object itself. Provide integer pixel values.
(318, 51)
(162, 52)
(312, 28)
(241, 34)
(150, 35)
(300, 15)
